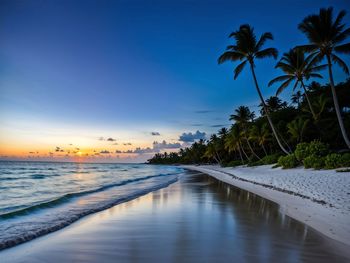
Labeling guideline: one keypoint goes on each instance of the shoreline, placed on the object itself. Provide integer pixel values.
(197, 218)
(324, 217)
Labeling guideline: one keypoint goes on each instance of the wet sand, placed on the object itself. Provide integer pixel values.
(197, 219)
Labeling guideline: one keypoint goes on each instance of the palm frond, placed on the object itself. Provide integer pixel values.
(295, 85)
(307, 48)
(262, 40)
(230, 56)
(287, 68)
(314, 75)
(341, 63)
(318, 68)
(278, 79)
(345, 48)
(268, 52)
(239, 69)
(283, 86)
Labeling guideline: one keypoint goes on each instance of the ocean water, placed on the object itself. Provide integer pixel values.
(37, 198)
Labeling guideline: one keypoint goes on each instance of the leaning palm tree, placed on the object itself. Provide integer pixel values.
(297, 69)
(326, 36)
(233, 142)
(260, 134)
(246, 49)
(242, 117)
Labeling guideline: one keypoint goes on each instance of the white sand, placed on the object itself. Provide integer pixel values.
(320, 199)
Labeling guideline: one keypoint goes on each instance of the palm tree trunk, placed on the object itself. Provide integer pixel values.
(266, 111)
(308, 100)
(336, 103)
(240, 154)
(245, 154)
(251, 149)
(218, 157)
(263, 147)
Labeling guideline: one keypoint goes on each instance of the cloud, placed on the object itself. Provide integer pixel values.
(191, 137)
(155, 133)
(218, 125)
(115, 143)
(101, 138)
(127, 143)
(203, 111)
(59, 149)
(143, 151)
(111, 139)
(104, 152)
(157, 146)
(197, 125)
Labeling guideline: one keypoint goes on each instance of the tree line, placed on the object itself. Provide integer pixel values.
(315, 113)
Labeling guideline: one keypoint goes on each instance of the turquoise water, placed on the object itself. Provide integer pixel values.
(37, 198)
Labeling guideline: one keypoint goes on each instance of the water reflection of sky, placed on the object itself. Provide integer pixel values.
(198, 219)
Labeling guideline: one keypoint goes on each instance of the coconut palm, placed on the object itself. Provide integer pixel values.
(326, 36)
(273, 104)
(246, 49)
(296, 98)
(319, 106)
(297, 69)
(242, 117)
(212, 150)
(296, 128)
(260, 134)
(233, 142)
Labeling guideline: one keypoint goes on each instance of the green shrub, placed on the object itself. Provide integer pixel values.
(270, 159)
(302, 151)
(345, 160)
(314, 161)
(316, 148)
(333, 161)
(233, 163)
(289, 161)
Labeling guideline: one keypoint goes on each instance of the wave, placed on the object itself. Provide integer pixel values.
(42, 176)
(64, 221)
(66, 197)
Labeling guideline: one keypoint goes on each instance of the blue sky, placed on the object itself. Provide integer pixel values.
(129, 68)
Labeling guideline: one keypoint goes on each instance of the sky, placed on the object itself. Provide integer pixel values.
(117, 81)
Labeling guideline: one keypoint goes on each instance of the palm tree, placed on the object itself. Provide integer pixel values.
(296, 98)
(326, 36)
(213, 148)
(296, 128)
(319, 106)
(260, 134)
(297, 68)
(242, 117)
(233, 141)
(246, 50)
(273, 104)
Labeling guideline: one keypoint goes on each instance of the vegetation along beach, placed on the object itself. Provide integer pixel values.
(174, 131)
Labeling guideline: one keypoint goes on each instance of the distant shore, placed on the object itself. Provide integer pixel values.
(319, 199)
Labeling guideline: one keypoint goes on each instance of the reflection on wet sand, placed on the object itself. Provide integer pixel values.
(194, 220)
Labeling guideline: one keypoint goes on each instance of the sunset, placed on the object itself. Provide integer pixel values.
(216, 131)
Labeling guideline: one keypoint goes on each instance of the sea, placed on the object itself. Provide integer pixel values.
(37, 198)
